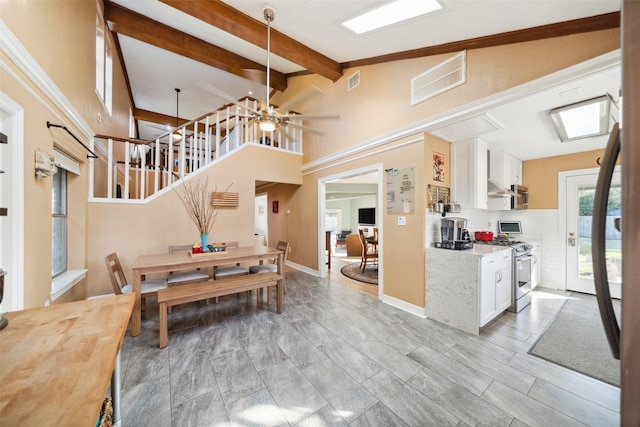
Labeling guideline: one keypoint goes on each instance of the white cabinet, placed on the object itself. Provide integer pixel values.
(504, 169)
(495, 285)
(469, 177)
(536, 270)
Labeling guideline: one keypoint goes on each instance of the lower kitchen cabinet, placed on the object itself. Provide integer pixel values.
(466, 289)
(495, 285)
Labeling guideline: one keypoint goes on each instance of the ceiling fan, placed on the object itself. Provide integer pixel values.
(268, 117)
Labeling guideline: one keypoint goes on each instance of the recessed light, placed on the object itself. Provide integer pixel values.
(391, 13)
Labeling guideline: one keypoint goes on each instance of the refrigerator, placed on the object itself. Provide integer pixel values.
(623, 334)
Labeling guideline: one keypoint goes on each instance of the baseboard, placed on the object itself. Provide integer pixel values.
(304, 269)
(405, 306)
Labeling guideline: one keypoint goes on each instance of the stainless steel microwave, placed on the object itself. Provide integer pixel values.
(521, 198)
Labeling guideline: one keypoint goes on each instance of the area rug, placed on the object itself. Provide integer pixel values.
(575, 339)
(353, 271)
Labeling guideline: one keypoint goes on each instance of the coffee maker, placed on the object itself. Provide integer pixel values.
(454, 234)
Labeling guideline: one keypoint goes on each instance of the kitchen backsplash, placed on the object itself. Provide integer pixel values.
(537, 225)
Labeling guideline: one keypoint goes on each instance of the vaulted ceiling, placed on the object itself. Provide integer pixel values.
(168, 44)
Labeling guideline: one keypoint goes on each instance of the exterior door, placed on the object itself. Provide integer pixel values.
(580, 191)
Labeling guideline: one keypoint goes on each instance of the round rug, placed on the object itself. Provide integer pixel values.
(353, 271)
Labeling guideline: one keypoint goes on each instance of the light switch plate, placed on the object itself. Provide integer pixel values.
(402, 220)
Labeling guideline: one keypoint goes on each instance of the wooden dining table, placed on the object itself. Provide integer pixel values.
(56, 362)
(182, 261)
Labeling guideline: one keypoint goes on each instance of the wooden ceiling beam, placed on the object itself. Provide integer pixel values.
(232, 21)
(576, 26)
(132, 24)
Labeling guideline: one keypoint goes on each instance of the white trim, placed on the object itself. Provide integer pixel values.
(303, 268)
(578, 71)
(16, 209)
(66, 281)
(405, 306)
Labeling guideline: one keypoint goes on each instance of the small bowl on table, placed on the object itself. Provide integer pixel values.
(217, 247)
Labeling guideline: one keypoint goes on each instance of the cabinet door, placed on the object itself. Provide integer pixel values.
(503, 284)
(517, 171)
(469, 177)
(488, 289)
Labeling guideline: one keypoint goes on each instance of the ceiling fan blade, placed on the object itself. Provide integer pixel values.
(305, 128)
(215, 91)
(286, 134)
(299, 98)
(312, 116)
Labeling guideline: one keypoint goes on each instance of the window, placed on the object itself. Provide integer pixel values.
(104, 65)
(59, 214)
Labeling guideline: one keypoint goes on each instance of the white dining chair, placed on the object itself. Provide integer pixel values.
(181, 277)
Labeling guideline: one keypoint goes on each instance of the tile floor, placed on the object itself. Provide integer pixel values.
(337, 357)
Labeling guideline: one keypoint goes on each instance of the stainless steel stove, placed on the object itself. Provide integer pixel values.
(522, 264)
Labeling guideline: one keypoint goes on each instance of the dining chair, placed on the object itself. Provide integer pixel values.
(264, 268)
(230, 270)
(148, 288)
(184, 276)
(273, 267)
(370, 257)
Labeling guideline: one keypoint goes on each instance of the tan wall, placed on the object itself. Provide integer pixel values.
(403, 258)
(540, 176)
(132, 230)
(381, 102)
(60, 36)
(278, 222)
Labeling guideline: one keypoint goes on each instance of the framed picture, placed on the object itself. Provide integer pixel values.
(438, 167)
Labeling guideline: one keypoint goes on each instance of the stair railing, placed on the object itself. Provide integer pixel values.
(152, 166)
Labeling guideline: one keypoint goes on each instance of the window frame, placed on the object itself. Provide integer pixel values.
(60, 182)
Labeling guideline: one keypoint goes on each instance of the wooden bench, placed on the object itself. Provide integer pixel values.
(199, 291)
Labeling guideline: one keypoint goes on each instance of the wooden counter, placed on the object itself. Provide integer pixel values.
(56, 362)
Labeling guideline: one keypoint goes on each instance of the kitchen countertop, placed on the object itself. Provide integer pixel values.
(477, 250)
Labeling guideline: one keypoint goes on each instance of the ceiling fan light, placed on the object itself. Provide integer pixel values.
(267, 124)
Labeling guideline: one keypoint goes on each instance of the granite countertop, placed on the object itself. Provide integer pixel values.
(477, 250)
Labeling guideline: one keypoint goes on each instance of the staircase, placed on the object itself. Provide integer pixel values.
(153, 166)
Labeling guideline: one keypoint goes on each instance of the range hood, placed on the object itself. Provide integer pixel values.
(496, 190)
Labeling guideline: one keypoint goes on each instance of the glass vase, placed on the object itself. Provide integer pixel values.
(204, 239)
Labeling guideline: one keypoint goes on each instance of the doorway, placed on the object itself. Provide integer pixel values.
(579, 191)
(12, 203)
(261, 220)
(376, 174)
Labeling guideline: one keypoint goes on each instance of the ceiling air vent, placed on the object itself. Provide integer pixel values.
(439, 79)
(354, 80)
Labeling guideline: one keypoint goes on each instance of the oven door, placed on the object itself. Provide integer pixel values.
(523, 269)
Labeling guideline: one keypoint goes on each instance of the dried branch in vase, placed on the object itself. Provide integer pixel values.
(196, 199)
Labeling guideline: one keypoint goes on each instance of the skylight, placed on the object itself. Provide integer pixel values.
(582, 119)
(391, 13)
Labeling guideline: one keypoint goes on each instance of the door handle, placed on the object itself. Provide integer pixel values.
(571, 241)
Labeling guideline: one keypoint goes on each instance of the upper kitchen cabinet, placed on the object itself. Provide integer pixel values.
(469, 177)
(504, 169)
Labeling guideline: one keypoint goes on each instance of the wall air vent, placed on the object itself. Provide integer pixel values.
(441, 78)
(353, 81)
